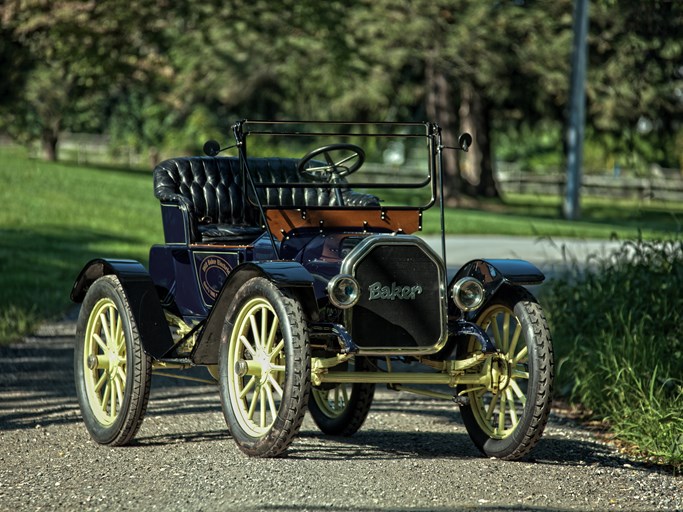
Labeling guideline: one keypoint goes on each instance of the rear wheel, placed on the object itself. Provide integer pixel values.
(264, 369)
(508, 422)
(113, 373)
(341, 410)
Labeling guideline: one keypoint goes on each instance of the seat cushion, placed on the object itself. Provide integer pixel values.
(228, 233)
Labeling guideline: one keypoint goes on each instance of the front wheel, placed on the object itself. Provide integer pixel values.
(113, 373)
(264, 369)
(508, 422)
(341, 410)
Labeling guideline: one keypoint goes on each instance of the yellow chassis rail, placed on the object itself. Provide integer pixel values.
(493, 373)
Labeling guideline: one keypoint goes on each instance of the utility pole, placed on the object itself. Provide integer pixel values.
(577, 111)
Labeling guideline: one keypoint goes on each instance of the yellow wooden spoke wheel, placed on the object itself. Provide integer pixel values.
(506, 418)
(340, 410)
(332, 402)
(112, 372)
(498, 412)
(104, 357)
(264, 369)
(257, 358)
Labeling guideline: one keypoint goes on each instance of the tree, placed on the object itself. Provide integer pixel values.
(452, 62)
(15, 64)
(78, 52)
(467, 63)
(634, 77)
(143, 69)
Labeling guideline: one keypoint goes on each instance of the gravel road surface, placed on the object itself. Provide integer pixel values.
(411, 454)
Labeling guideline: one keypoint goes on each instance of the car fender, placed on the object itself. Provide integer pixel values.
(141, 294)
(493, 273)
(286, 275)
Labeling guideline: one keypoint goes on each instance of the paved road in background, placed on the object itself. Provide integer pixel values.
(412, 454)
(550, 255)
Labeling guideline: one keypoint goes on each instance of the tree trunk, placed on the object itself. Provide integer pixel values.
(49, 140)
(154, 156)
(439, 105)
(477, 168)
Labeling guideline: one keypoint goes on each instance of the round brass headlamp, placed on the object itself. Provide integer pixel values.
(343, 290)
(468, 293)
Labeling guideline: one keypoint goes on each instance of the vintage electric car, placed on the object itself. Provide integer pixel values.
(298, 281)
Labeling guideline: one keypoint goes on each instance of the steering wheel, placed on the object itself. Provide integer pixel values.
(337, 169)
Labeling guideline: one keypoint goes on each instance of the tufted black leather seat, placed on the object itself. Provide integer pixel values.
(211, 190)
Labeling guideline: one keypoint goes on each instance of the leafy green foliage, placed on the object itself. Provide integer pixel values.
(142, 70)
(635, 81)
(79, 54)
(616, 327)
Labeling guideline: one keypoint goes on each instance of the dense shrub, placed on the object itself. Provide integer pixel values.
(616, 322)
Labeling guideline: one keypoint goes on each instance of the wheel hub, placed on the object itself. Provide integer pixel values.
(260, 366)
(263, 360)
(501, 374)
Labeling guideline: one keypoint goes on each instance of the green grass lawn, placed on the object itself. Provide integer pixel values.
(525, 215)
(55, 217)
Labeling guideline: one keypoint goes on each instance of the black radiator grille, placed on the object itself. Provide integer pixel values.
(400, 303)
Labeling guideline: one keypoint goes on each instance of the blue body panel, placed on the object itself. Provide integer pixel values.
(198, 282)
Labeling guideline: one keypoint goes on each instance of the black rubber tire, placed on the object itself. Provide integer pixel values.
(270, 438)
(347, 421)
(532, 417)
(119, 428)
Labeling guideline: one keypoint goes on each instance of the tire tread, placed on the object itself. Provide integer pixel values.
(123, 432)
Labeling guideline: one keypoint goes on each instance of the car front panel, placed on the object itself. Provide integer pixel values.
(402, 303)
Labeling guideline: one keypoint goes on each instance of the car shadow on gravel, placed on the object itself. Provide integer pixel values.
(391, 445)
(182, 437)
(36, 388)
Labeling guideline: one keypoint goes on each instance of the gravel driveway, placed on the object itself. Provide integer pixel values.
(411, 454)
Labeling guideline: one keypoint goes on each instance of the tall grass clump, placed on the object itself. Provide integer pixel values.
(616, 322)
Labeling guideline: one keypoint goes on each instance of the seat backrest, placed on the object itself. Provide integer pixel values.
(214, 190)
(215, 187)
(212, 187)
(284, 170)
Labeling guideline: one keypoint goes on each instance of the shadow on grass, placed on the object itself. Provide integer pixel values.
(38, 267)
(116, 168)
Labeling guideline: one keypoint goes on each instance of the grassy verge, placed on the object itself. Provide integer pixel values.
(525, 215)
(56, 217)
(619, 350)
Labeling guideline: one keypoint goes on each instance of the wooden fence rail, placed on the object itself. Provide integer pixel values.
(662, 189)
